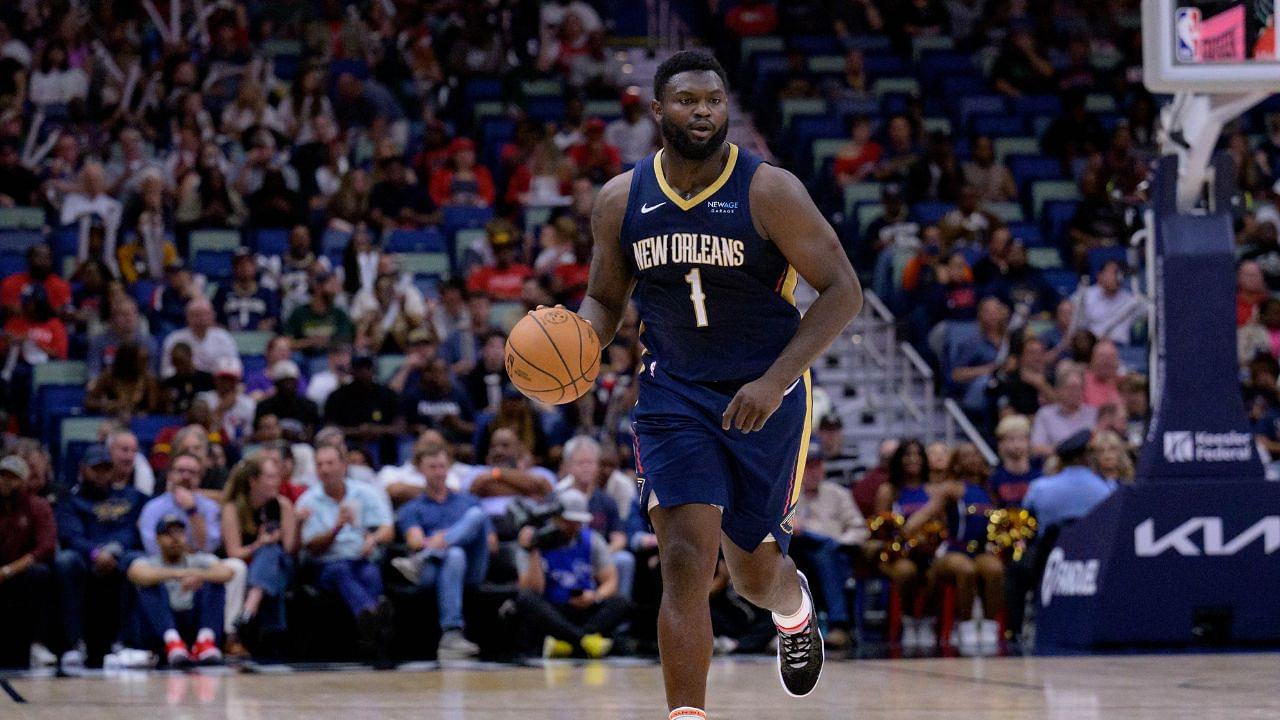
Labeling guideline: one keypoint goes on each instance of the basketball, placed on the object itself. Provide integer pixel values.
(553, 355)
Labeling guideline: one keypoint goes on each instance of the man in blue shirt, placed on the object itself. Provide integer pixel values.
(448, 533)
(204, 517)
(568, 584)
(347, 524)
(582, 472)
(97, 529)
(1072, 492)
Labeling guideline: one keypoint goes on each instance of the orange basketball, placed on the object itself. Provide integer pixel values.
(553, 355)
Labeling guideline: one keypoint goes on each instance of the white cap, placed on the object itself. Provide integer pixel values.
(228, 366)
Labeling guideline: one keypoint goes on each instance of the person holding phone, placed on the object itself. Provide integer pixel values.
(259, 527)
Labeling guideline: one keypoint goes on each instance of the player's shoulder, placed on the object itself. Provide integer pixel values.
(616, 191)
(768, 180)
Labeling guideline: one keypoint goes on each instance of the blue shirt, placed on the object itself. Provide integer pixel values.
(430, 516)
(1071, 494)
(716, 299)
(89, 518)
(372, 510)
(162, 505)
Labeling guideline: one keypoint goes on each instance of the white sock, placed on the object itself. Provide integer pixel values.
(205, 634)
(687, 713)
(795, 622)
(171, 636)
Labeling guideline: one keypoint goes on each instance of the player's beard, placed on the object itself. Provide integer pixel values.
(677, 139)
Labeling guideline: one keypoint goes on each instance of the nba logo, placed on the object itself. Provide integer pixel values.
(1179, 446)
(1187, 27)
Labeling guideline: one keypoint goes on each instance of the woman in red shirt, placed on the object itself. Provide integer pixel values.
(858, 157)
(465, 183)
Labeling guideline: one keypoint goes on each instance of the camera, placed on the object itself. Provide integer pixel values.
(523, 513)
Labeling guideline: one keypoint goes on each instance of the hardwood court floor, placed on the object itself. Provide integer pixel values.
(1164, 687)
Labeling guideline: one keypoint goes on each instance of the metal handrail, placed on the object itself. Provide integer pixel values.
(913, 361)
(956, 416)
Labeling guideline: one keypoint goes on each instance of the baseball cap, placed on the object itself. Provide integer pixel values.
(594, 126)
(830, 421)
(815, 450)
(459, 144)
(362, 359)
(574, 506)
(228, 367)
(500, 232)
(96, 455)
(241, 253)
(283, 369)
(631, 97)
(169, 521)
(1075, 443)
(16, 466)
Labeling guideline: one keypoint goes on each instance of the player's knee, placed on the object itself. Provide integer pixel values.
(757, 588)
(685, 569)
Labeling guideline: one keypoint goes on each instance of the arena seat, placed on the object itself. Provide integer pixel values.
(21, 218)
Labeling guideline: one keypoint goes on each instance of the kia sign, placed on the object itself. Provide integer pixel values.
(1203, 536)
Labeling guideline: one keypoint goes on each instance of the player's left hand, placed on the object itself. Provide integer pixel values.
(753, 405)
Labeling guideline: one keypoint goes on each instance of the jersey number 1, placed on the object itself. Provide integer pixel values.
(699, 298)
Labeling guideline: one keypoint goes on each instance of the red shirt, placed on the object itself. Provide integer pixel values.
(573, 280)
(58, 290)
(500, 284)
(1246, 306)
(50, 335)
(442, 187)
(851, 164)
(758, 20)
(26, 526)
(605, 157)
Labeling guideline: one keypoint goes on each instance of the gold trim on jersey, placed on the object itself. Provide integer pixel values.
(797, 480)
(710, 190)
(789, 286)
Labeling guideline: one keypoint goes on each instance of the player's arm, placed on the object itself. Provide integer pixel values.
(784, 213)
(610, 283)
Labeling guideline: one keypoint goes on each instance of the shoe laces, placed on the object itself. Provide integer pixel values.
(796, 648)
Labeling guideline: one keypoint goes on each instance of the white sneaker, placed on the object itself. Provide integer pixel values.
(42, 657)
(73, 659)
(724, 645)
(928, 639)
(910, 633)
(410, 567)
(454, 645)
(967, 633)
(989, 636)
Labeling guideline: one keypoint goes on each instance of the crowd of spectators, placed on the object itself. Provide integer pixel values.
(281, 247)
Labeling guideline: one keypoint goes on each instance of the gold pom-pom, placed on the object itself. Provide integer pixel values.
(1009, 531)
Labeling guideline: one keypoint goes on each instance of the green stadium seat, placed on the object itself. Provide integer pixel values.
(60, 372)
(867, 214)
(79, 429)
(542, 88)
(1044, 191)
(753, 45)
(465, 239)
(213, 240)
(824, 148)
(388, 365)
(889, 85)
(931, 42)
(937, 124)
(860, 192)
(505, 315)
(1100, 103)
(1044, 258)
(489, 108)
(802, 106)
(602, 108)
(252, 342)
(1009, 212)
(21, 218)
(826, 64)
(1007, 146)
(435, 263)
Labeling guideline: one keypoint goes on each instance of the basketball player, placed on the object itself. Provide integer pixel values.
(710, 241)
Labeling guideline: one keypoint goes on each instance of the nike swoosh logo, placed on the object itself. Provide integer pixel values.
(645, 209)
(793, 387)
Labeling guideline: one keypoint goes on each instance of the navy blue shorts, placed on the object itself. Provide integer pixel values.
(683, 456)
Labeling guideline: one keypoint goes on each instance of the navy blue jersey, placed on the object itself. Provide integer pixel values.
(715, 298)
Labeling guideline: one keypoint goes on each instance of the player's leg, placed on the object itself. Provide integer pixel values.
(688, 543)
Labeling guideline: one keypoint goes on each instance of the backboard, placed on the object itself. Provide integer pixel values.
(1210, 46)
